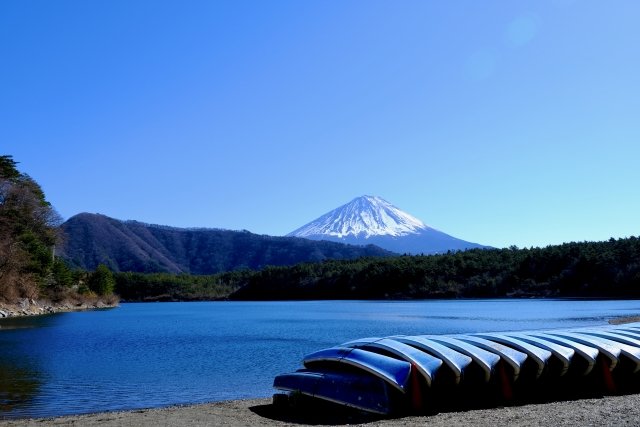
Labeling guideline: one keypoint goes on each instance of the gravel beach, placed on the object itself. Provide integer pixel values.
(606, 411)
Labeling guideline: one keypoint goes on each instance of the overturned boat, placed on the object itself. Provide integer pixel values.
(423, 373)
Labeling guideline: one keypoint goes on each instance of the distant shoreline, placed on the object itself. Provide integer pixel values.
(621, 320)
(501, 298)
(30, 307)
(609, 410)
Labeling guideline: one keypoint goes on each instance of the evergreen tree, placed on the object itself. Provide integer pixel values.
(28, 232)
(62, 275)
(101, 281)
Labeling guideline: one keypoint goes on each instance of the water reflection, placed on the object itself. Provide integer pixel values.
(18, 387)
(21, 380)
(26, 322)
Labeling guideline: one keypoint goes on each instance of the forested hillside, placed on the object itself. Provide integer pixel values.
(588, 269)
(92, 239)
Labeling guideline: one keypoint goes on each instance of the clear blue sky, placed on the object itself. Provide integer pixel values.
(500, 122)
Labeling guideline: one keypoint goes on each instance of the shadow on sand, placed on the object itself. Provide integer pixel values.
(313, 412)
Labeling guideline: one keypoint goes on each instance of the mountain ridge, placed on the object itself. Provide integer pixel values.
(92, 239)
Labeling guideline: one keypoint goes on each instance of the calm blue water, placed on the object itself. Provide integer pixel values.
(146, 355)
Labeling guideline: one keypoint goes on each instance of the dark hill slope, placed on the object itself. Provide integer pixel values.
(91, 239)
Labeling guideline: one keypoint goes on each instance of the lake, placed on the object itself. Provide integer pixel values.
(159, 354)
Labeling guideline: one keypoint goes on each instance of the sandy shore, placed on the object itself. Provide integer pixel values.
(610, 411)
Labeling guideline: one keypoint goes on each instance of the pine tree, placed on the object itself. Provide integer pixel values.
(101, 281)
(28, 232)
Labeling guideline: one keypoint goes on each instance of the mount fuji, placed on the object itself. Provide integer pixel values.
(372, 220)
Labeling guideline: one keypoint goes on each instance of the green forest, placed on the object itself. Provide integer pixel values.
(589, 269)
(29, 233)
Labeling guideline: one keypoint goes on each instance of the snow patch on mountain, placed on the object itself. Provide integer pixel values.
(371, 220)
(363, 217)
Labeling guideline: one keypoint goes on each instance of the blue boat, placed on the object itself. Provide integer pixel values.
(351, 389)
(395, 372)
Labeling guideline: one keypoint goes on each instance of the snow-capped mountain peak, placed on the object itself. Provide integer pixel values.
(363, 217)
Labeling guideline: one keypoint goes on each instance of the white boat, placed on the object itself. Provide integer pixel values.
(454, 360)
(539, 355)
(513, 358)
(486, 360)
(564, 354)
(426, 364)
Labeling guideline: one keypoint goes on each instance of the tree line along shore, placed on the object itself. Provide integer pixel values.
(609, 269)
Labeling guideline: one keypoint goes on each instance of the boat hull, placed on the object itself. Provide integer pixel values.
(351, 389)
